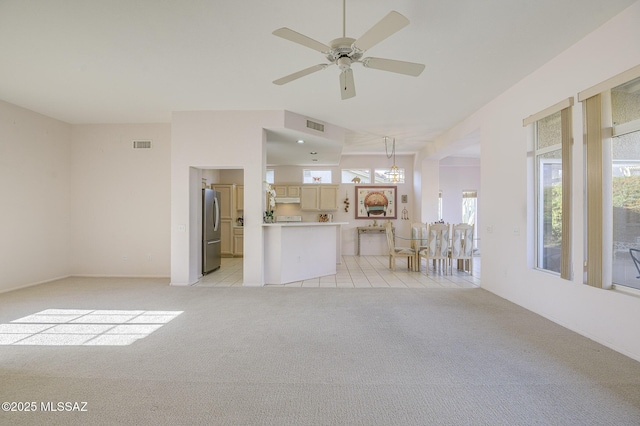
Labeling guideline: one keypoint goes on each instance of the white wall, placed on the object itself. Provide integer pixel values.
(120, 206)
(219, 140)
(35, 197)
(458, 174)
(429, 188)
(603, 315)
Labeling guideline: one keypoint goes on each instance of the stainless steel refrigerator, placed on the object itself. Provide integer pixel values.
(210, 230)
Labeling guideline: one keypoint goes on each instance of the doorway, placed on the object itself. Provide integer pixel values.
(230, 185)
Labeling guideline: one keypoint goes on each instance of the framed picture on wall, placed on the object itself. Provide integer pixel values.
(376, 202)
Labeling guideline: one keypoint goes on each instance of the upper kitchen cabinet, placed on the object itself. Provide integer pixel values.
(226, 200)
(319, 197)
(287, 190)
(328, 197)
(240, 197)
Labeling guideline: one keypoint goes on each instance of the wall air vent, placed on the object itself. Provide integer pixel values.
(315, 126)
(141, 144)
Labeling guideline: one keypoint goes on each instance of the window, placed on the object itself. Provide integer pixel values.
(270, 177)
(469, 207)
(549, 192)
(612, 145)
(356, 176)
(389, 176)
(625, 182)
(551, 187)
(316, 176)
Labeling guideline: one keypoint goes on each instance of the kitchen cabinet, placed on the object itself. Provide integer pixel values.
(328, 198)
(309, 198)
(239, 197)
(227, 217)
(226, 201)
(238, 241)
(319, 197)
(226, 238)
(287, 190)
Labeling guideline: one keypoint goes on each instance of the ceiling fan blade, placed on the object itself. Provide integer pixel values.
(401, 67)
(388, 26)
(297, 75)
(295, 37)
(347, 85)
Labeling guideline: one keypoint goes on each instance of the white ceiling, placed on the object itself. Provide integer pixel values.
(136, 61)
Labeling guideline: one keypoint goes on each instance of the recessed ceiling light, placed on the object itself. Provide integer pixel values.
(315, 159)
(300, 141)
(313, 153)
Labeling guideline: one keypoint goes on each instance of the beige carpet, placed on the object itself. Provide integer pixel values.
(315, 356)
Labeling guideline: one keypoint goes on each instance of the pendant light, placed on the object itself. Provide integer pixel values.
(394, 173)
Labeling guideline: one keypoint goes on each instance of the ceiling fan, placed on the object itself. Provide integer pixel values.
(345, 51)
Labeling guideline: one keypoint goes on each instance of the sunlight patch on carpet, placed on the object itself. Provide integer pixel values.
(65, 327)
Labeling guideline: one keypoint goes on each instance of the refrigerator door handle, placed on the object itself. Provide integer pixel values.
(213, 242)
(216, 220)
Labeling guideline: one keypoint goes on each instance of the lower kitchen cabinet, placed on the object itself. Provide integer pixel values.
(226, 238)
(238, 241)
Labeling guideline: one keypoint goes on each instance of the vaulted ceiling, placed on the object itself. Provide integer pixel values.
(136, 61)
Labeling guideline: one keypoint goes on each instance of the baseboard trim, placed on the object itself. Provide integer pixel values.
(33, 284)
(117, 276)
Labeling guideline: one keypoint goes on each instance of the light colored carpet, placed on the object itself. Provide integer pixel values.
(316, 356)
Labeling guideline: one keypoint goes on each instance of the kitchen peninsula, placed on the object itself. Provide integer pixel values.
(301, 250)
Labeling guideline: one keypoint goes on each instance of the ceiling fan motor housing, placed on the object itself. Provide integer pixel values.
(343, 53)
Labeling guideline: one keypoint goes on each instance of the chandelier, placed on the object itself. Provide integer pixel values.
(393, 173)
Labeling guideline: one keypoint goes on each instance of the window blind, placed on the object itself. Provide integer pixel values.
(593, 141)
(567, 145)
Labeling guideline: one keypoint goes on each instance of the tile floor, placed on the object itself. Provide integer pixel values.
(356, 272)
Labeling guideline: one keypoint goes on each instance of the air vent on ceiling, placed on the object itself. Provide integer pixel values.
(141, 144)
(315, 126)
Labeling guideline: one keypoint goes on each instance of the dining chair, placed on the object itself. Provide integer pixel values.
(437, 248)
(394, 251)
(461, 247)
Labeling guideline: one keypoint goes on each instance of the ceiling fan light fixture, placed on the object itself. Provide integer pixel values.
(344, 63)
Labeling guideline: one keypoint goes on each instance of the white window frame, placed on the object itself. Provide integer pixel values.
(598, 128)
(308, 178)
(364, 177)
(387, 179)
(565, 108)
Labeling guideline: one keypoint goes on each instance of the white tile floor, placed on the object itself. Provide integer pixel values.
(356, 272)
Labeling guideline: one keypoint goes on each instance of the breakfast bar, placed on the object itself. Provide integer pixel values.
(300, 251)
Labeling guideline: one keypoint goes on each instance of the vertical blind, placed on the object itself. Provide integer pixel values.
(593, 141)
